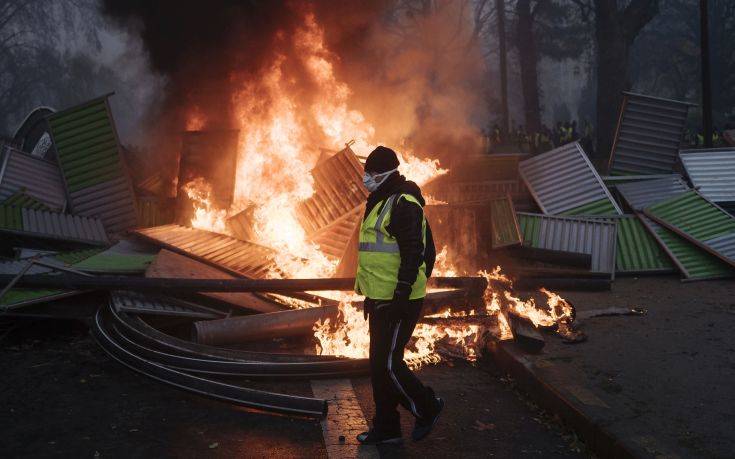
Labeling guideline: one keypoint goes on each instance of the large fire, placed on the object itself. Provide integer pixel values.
(275, 157)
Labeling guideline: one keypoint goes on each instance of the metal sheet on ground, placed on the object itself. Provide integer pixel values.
(146, 304)
(700, 221)
(227, 253)
(712, 172)
(564, 179)
(568, 234)
(641, 194)
(168, 264)
(693, 262)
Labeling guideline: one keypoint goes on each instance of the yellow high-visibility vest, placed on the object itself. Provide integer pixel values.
(379, 257)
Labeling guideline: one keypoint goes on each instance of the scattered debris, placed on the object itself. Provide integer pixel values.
(64, 185)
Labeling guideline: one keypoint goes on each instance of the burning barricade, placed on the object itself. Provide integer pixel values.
(251, 246)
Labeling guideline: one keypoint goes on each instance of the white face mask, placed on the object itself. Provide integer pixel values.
(372, 182)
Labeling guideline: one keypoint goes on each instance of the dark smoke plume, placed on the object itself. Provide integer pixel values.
(408, 84)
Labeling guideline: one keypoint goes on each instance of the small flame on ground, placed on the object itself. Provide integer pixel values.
(349, 337)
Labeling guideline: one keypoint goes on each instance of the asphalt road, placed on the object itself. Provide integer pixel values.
(661, 383)
(62, 396)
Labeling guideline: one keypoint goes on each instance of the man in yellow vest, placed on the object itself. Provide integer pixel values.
(395, 258)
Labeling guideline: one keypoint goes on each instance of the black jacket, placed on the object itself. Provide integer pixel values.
(405, 226)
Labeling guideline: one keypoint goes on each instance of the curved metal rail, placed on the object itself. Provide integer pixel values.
(267, 401)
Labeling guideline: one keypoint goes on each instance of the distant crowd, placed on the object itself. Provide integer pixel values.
(542, 140)
(563, 132)
(696, 139)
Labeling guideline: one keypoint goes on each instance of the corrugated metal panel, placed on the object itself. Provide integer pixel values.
(89, 154)
(125, 257)
(140, 304)
(504, 223)
(52, 225)
(240, 225)
(693, 262)
(601, 207)
(577, 235)
(233, 255)
(564, 179)
(155, 211)
(333, 239)
(640, 195)
(338, 189)
(695, 218)
(637, 250)
(712, 172)
(648, 135)
(20, 199)
(612, 180)
(37, 177)
(724, 244)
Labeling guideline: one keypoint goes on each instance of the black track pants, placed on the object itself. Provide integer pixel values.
(392, 380)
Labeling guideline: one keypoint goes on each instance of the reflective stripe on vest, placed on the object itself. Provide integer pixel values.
(380, 245)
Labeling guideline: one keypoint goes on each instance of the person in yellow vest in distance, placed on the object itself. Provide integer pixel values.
(396, 256)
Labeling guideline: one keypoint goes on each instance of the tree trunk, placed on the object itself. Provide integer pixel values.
(615, 32)
(500, 11)
(612, 75)
(528, 63)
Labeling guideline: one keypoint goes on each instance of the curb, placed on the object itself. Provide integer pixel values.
(586, 419)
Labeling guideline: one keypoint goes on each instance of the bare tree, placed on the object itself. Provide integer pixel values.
(32, 68)
(617, 24)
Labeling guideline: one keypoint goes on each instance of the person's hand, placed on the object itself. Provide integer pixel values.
(401, 294)
(367, 308)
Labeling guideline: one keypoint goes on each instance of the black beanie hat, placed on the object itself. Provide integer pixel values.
(380, 160)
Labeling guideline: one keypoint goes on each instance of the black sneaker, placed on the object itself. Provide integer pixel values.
(374, 437)
(423, 427)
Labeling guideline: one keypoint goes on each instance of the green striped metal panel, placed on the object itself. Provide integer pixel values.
(504, 223)
(529, 229)
(91, 163)
(694, 215)
(11, 217)
(76, 256)
(638, 251)
(86, 144)
(30, 296)
(695, 262)
(21, 199)
(18, 296)
(600, 207)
